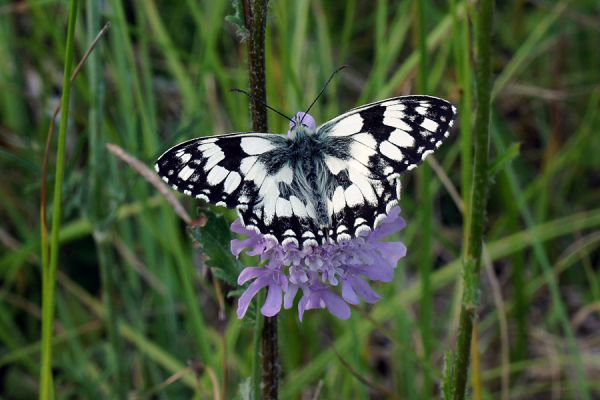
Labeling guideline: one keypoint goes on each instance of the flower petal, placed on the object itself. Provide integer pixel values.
(248, 295)
(364, 290)
(302, 304)
(250, 273)
(393, 251)
(237, 245)
(348, 293)
(238, 227)
(273, 302)
(380, 270)
(288, 297)
(335, 305)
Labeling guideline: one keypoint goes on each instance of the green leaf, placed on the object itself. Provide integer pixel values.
(448, 375)
(504, 159)
(238, 20)
(214, 240)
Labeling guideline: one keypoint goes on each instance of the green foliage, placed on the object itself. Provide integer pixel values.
(213, 240)
(238, 20)
(501, 162)
(133, 308)
(447, 388)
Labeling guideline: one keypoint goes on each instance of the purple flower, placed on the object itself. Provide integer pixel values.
(330, 276)
(306, 119)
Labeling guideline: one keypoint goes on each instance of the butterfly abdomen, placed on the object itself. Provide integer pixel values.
(310, 175)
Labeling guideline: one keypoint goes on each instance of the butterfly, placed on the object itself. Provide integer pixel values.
(315, 185)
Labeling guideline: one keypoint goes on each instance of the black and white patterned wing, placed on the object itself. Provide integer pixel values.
(247, 171)
(367, 148)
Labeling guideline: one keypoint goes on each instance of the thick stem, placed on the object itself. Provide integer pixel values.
(270, 359)
(256, 22)
(257, 14)
(472, 262)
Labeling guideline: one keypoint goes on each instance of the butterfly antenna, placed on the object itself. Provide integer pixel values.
(323, 90)
(261, 102)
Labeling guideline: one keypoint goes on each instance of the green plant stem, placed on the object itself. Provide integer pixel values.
(476, 220)
(256, 345)
(49, 271)
(270, 359)
(462, 44)
(425, 210)
(256, 23)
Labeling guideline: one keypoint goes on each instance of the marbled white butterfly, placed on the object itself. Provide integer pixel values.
(330, 183)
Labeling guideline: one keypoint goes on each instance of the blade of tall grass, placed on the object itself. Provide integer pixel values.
(135, 83)
(425, 210)
(186, 86)
(84, 371)
(526, 50)
(154, 352)
(437, 36)
(11, 80)
(99, 213)
(388, 45)
(346, 30)
(50, 258)
(462, 46)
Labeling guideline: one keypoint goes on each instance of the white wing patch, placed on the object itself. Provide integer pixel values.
(256, 145)
(338, 200)
(232, 182)
(391, 151)
(401, 138)
(283, 208)
(185, 173)
(430, 125)
(216, 175)
(349, 125)
(334, 164)
(366, 139)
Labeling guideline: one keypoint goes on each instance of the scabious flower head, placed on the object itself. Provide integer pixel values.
(330, 276)
(306, 119)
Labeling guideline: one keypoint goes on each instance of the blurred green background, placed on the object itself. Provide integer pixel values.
(138, 313)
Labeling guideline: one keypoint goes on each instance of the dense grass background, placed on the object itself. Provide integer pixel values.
(138, 314)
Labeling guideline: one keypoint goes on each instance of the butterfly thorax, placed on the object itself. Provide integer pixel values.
(306, 159)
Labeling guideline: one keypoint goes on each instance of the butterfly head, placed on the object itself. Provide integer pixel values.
(302, 124)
